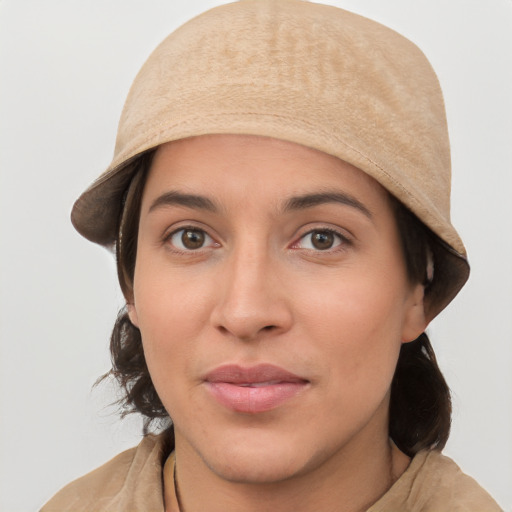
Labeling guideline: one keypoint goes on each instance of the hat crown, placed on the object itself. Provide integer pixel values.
(361, 84)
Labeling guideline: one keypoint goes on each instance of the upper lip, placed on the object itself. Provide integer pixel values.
(235, 374)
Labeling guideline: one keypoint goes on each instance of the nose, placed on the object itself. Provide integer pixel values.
(252, 298)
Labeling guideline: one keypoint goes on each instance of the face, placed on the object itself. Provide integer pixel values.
(272, 298)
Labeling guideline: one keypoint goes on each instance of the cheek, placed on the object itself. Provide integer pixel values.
(171, 317)
(357, 329)
(169, 303)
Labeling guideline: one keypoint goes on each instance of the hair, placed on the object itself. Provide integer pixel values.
(420, 403)
(420, 408)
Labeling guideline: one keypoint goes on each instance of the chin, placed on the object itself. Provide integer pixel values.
(259, 457)
(244, 467)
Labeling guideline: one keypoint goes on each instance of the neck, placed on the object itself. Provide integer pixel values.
(350, 481)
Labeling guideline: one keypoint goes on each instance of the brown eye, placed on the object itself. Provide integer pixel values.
(192, 239)
(321, 240)
(188, 239)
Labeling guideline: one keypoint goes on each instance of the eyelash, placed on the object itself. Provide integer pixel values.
(342, 240)
(167, 239)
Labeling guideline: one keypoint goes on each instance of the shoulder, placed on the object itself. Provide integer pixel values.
(443, 482)
(133, 475)
(435, 483)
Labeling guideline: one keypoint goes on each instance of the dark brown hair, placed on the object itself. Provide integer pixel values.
(420, 406)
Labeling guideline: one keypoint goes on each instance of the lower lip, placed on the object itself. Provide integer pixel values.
(254, 399)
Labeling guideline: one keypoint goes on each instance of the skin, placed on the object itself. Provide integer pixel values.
(259, 291)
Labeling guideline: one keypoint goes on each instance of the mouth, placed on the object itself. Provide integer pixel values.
(255, 389)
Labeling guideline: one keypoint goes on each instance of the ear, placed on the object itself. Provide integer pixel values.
(415, 321)
(132, 314)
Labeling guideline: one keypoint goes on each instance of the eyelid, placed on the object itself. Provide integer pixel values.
(345, 240)
(166, 239)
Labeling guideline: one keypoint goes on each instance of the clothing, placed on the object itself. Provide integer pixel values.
(132, 482)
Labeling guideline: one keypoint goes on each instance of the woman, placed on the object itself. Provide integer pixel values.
(279, 205)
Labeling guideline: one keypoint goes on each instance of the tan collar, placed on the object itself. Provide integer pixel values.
(143, 477)
(170, 499)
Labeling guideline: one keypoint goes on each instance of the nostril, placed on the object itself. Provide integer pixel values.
(246, 335)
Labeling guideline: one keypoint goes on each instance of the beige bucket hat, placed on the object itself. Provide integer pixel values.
(307, 73)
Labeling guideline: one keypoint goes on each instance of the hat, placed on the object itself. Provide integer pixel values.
(307, 73)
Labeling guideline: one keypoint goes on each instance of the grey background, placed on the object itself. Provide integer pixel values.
(65, 69)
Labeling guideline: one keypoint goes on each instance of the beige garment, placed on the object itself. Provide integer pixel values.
(132, 482)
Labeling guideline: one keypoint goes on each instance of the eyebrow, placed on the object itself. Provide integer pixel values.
(310, 200)
(181, 199)
(294, 203)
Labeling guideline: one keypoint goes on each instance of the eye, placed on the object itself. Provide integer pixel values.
(190, 239)
(321, 240)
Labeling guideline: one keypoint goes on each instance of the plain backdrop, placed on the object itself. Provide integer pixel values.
(65, 69)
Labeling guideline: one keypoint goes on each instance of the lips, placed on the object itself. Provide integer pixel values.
(254, 389)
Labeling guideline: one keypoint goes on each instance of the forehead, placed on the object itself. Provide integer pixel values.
(249, 167)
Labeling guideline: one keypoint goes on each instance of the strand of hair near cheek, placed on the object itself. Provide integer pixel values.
(420, 406)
